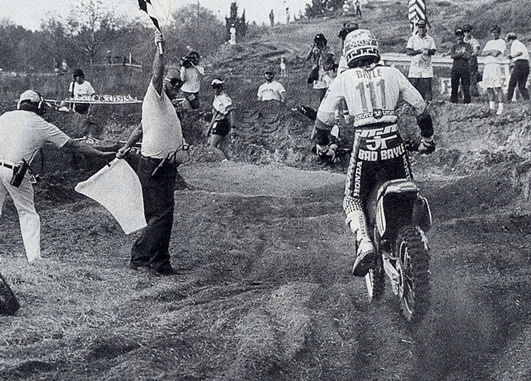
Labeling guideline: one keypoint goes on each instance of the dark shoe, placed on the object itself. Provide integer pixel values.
(165, 269)
(138, 265)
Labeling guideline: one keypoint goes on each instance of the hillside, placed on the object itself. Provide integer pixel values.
(263, 290)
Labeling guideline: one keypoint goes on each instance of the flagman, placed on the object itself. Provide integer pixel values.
(161, 153)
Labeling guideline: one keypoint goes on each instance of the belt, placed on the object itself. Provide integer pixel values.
(151, 159)
(7, 165)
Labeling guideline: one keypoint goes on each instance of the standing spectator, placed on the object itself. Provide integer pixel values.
(22, 133)
(473, 61)
(271, 89)
(162, 146)
(519, 54)
(421, 47)
(460, 53)
(319, 54)
(191, 75)
(272, 18)
(80, 89)
(357, 3)
(232, 32)
(492, 74)
(222, 119)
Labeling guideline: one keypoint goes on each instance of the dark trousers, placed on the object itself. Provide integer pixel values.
(423, 85)
(519, 77)
(474, 77)
(151, 248)
(460, 74)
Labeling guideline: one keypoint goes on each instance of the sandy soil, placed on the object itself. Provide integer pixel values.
(264, 290)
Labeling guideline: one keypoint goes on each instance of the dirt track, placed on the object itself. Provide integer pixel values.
(264, 290)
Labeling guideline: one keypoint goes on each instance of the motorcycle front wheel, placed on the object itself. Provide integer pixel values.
(414, 274)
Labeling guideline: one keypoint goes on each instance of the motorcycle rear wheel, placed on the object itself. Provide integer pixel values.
(414, 275)
(375, 282)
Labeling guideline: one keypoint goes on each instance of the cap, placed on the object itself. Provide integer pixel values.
(421, 24)
(216, 81)
(459, 31)
(511, 36)
(30, 95)
(269, 70)
(467, 28)
(495, 28)
(78, 73)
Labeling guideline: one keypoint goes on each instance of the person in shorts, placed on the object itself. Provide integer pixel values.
(191, 75)
(492, 74)
(222, 119)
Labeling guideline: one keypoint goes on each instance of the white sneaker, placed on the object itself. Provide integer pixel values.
(499, 112)
(364, 258)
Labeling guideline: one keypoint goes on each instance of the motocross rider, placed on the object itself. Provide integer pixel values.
(371, 92)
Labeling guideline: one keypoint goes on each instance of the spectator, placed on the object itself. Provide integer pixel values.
(22, 133)
(421, 47)
(519, 54)
(191, 75)
(492, 74)
(271, 89)
(162, 151)
(473, 61)
(80, 89)
(319, 54)
(460, 53)
(357, 4)
(222, 119)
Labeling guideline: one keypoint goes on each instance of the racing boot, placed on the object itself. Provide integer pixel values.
(365, 253)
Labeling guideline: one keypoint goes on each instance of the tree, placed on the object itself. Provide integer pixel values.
(240, 24)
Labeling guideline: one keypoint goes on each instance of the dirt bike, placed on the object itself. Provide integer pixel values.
(8, 301)
(398, 218)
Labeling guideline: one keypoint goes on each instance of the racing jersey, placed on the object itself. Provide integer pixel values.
(371, 95)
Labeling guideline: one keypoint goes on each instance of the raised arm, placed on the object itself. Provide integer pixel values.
(158, 64)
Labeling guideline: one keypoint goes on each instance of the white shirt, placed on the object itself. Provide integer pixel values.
(192, 78)
(222, 104)
(271, 91)
(161, 127)
(519, 47)
(24, 132)
(498, 45)
(421, 66)
(81, 91)
(371, 95)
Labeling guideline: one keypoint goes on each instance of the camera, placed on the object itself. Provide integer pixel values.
(19, 171)
(186, 62)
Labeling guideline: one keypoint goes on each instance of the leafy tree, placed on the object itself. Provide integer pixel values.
(240, 24)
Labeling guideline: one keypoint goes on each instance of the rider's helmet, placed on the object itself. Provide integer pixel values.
(361, 48)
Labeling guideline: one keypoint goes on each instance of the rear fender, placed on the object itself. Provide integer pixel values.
(395, 203)
(421, 215)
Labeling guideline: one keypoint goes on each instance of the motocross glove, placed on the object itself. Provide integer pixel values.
(426, 146)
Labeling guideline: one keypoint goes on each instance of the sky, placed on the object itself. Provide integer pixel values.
(30, 13)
